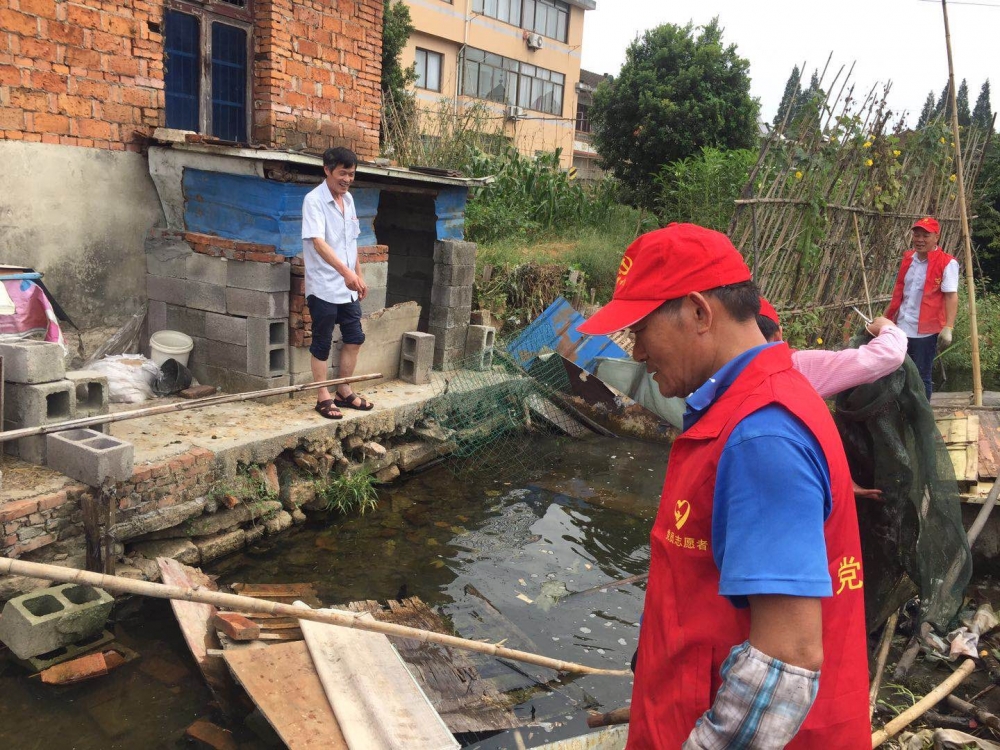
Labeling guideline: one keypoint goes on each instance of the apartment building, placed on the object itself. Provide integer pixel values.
(521, 58)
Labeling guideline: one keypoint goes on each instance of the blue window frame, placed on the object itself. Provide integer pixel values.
(183, 70)
(229, 82)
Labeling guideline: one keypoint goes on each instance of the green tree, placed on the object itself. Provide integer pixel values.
(677, 92)
(943, 106)
(927, 113)
(982, 114)
(962, 100)
(396, 29)
(789, 97)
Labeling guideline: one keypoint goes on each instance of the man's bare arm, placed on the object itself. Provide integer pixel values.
(788, 628)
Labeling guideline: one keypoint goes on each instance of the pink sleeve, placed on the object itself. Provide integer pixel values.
(833, 372)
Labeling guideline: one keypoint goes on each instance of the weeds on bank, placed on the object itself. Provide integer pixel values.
(247, 485)
(349, 493)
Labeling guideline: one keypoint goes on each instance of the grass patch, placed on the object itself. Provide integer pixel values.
(247, 485)
(349, 493)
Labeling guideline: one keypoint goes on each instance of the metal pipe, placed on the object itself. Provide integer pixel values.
(74, 424)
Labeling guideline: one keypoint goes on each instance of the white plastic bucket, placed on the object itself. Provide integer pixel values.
(164, 345)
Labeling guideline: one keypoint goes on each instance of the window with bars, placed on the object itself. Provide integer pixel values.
(429, 66)
(582, 118)
(206, 61)
(501, 79)
(546, 17)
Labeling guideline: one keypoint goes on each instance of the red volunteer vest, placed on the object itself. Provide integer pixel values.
(932, 316)
(688, 629)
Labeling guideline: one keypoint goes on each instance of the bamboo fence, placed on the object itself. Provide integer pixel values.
(846, 173)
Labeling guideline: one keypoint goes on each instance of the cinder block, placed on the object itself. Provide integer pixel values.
(186, 320)
(449, 338)
(202, 296)
(227, 328)
(40, 403)
(267, 347)
(219, 354)
(167, 289)
(449, 317)
(30, 449)
(252, 304)
(416, 357)
(299, 360)
(232, 381)
(375, 274)
(479, 342)
(156, 316)
(454, 275)
(374, 300)
(455, 253)
(206, 269)
(167, 258)
(91, 392)
(451, 296)
(261, 277)
(52, 618)
(32, 362)
(89, 456)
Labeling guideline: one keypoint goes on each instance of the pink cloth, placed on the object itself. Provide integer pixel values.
(33, 314)
(832, 372)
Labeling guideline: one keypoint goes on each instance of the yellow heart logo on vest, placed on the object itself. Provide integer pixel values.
(681, 512)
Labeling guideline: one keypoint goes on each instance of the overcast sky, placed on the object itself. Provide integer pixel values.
(889, 40)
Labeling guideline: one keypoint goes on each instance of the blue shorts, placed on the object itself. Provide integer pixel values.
(325, 315)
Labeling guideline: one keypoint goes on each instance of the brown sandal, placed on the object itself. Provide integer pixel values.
(353, 401)
(328, 409)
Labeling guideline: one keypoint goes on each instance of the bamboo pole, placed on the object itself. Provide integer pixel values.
(981, 715)
(925, 704)
(150, 411)
(248, 604)
(861, 257)
(883, 655)
(977, 377)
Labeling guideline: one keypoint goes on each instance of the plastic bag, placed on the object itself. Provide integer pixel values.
(130, 377)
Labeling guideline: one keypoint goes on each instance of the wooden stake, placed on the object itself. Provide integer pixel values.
(883, 655)
(864, 274)
(618, 716)
(977, 377)
(925, 704)
(226, 398)
(985, 717)
(249, 604)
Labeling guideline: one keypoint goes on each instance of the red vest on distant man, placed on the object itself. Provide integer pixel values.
(688, 628)
(932, 315)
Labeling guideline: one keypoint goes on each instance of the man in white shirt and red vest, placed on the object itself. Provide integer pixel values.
(925, 300)
(753, 632)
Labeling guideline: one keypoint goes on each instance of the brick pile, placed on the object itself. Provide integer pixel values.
(90, 73)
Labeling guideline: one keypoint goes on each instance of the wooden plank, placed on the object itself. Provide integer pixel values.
(375, 699)
(195, 621)
(989, 444)
(283, 683)
(276, 590)
(465, 700)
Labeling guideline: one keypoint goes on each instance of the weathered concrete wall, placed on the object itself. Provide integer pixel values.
(79, 215)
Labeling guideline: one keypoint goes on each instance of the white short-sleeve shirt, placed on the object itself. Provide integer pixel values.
(321, 217)
(913, 293)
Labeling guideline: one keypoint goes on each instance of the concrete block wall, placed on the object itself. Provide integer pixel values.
(231, 298)
(451, 299)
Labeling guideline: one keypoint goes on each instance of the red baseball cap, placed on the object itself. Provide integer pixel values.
(664, 265)
(928, 224)
(768, 311)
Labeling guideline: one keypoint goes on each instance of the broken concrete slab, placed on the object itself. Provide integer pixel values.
(181, 550)
(227, 519)
(154, 521)
(220, 545)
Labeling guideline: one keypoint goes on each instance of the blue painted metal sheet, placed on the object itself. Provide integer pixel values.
(449, 206)
(555, 331)
(252, 209)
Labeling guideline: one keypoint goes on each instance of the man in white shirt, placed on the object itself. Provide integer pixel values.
(334, 285)
(925, 300)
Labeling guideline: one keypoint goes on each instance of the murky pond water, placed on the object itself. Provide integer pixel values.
(577, 517)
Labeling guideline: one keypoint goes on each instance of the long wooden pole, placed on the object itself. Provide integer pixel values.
(977, 377)
(861, 256)
(883, 655)
(925, 704)
(149, 411)
(248, 604)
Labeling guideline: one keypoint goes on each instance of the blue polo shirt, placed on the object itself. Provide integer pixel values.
(772, 497)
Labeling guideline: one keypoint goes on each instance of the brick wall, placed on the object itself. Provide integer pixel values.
(90, 73)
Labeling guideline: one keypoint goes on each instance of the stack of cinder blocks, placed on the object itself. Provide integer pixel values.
(235, 311)
(451, 298)
(39, 391)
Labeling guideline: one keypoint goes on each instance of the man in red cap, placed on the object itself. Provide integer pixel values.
(755, 565)
(925, 299)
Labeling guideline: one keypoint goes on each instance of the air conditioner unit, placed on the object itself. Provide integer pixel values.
(514, 112)
(534, 41)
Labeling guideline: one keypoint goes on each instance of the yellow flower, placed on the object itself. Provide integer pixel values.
(867, 144)
(942, 140)
(952, 196)
(953, 178)
(819, 340)
(897, 152)
(953, 144)
(798, 175)
(869, 162)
